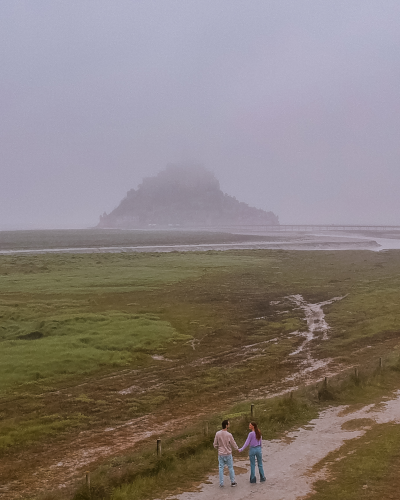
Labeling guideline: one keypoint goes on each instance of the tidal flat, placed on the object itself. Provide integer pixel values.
(95, 345)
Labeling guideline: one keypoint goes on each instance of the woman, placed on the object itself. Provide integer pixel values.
(255, 441)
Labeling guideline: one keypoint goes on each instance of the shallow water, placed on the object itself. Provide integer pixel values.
(304, 242)
(315, 318)
(317, 327)
(388, 244)
(116, 241)
(381, 243)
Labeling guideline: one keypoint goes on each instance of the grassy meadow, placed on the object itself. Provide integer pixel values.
(94, 340)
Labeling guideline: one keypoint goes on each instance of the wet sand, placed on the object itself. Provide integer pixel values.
(304, 242)
(196, 241)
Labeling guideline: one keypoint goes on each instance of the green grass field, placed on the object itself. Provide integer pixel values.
(174, 325)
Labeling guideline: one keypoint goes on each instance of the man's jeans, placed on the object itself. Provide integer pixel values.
(228, 461)
(255, 451)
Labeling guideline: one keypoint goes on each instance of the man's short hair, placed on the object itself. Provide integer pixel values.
(225, 424)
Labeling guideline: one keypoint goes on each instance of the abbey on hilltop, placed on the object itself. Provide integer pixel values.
(187, 196)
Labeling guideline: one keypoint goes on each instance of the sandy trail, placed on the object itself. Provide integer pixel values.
(67, 463)
(288, 462)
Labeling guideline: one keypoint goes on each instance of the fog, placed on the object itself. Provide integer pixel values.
(295, 105)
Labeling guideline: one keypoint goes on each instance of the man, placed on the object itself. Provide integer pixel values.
(224, 442)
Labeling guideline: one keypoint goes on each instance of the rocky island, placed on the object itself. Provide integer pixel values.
(187, 196)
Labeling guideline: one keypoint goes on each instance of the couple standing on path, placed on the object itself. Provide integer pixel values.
(224, 442)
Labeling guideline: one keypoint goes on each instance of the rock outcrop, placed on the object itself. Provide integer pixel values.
(183, 196)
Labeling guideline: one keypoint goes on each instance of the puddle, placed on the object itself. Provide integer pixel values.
(315, 318)
(308, 369)
(157, 357)
(288, 462)
(131, 389)
(317, 327)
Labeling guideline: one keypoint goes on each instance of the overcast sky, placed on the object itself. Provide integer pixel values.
(293, 104)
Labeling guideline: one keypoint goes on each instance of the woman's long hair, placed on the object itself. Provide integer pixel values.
(256, 430)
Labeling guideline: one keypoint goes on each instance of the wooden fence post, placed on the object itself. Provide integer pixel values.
(356, 373)
(88, 479)
(252, 411)
(159, 447)
(206, 429)
(380, 363)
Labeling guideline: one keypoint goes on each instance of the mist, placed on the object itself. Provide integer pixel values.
(295, 106)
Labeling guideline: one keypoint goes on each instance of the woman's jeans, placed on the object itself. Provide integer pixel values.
(255, 451)
(228, 461)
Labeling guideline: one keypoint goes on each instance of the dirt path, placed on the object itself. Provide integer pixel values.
(288, 462)
(66, 462)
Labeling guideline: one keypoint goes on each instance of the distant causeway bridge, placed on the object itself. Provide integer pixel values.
(305, 227)
(330, 227)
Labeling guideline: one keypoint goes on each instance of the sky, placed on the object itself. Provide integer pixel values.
(293, 104)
